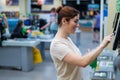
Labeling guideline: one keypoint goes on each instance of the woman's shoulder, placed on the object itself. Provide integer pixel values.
(59, 40)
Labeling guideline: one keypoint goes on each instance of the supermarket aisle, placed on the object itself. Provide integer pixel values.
(46, 70)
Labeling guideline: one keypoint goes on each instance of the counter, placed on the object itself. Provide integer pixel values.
(18, 54)
(21, 42)
(42, 45)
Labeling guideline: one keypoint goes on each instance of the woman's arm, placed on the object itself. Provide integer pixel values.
(45, 26)
(87, 58)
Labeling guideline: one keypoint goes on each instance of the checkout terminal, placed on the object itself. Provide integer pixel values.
(16, 53)
(116, 45)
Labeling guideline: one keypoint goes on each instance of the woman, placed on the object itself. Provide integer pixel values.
(19, 31)
(66, 56)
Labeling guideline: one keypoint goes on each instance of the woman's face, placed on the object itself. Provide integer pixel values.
(73, 24)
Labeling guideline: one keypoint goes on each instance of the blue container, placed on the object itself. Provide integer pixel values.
(12, 24)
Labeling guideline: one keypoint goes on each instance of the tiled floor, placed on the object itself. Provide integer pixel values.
(46, 69)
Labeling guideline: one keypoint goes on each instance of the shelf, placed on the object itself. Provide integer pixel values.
(35, 7)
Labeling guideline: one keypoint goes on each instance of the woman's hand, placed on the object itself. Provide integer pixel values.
(106, 40)
(88, 51)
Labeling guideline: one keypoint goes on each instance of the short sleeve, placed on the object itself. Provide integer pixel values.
(60, 50)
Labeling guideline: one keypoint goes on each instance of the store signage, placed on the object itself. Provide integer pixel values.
(93, 6)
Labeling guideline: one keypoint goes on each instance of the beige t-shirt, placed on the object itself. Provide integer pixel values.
(59, 48)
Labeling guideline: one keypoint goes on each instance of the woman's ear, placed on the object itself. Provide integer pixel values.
(64, 21)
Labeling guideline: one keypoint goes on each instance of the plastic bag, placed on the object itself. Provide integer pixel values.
(37, 55)
(94, 64)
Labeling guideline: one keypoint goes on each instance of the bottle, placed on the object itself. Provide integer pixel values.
(47, 31)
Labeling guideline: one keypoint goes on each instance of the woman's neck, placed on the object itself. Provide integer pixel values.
(61, 33)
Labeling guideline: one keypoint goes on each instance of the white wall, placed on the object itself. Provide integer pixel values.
(111, 14)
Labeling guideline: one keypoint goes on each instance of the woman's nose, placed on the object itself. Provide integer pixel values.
(78, 24)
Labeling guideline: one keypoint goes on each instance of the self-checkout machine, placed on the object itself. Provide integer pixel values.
(116, 45)
(117, 64)
(109, 60)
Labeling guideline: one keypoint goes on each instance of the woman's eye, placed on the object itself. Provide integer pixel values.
(76, 21)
